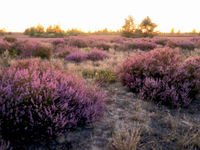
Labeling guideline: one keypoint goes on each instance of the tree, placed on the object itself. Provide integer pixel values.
(49, 29)
(172, 31)
(179, 32)
(129, 27)
(147, 26)
(194, 31)
(40, 29)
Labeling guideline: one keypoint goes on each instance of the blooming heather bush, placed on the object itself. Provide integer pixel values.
(76, 57)
(4, 45)
(182, 44)
(39, 64)
(77, 42)
(62, 52)
(10, 39)
(160, 75)
(37, 49)
(102, 45)
(162, 42)
(143, 45)
(58, 42)
(39, 104)
(96, 54)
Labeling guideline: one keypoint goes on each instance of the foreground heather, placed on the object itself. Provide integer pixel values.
(38, 102)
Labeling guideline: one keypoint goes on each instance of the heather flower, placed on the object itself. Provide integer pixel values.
(5, 145)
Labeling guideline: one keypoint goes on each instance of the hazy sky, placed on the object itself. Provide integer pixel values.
(16, 15)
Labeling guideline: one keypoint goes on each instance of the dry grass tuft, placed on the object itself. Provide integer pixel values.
(126, 139)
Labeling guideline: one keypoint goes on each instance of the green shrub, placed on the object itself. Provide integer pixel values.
(101, 76)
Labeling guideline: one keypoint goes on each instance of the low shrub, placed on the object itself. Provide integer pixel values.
(10, 39)
(102, 45)
(161, 75)
(37, 49)
(76, 57)
(96, 54)
(58, 42)
(4, 45)
(162, 42)
(40, 103)
(62, 52)
(77, 42)
(143, 45)
(182, 44)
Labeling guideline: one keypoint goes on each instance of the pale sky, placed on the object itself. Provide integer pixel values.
(17, 15)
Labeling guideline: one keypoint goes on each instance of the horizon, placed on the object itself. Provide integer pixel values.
(92, 15)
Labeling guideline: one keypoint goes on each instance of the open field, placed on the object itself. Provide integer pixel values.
(147, 102)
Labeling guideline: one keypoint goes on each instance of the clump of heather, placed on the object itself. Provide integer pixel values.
(77, 42)
(40, 104)
(102, 45)
(96, 54)
(161, 41)
(62, 52)
(10, 39)
(184, 44)
(143, 45)
(37, 49)
(76, 57)
(4, 45)
(58, 42)
(161, 75)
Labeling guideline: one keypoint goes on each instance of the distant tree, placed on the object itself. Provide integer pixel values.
(74, 32)
(105, 30)
(147, 26)
(194, 31)
(49, 29)
(172, 31)
(40, 29)
(56, 30)
(129, 27)
(2, 31)
(179, 32)
(32, 31)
